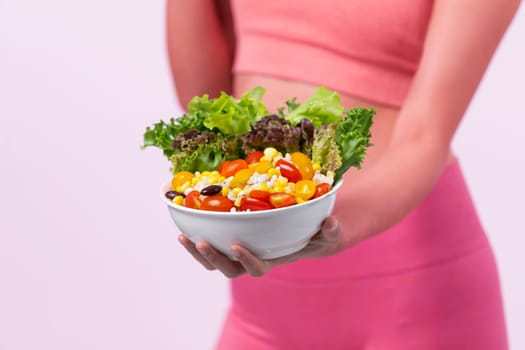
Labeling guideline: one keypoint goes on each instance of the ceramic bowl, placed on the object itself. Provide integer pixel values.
(267, 233)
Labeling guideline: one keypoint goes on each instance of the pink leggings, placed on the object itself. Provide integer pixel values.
(430, 282)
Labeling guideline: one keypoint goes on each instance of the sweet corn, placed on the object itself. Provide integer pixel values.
(179, 200)
(272, 171)
(316, 166)
(206, 173)
(264, 187)
(270, 152)
(185, 186)
(236, 191)
(277, 188)
(282, 181)
(225, 191)
(237, 202)
(195, 180)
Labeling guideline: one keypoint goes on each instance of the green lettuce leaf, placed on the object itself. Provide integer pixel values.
(205, 157)
(325, 150)
(229, 115)
(323, 107)
(353, 137)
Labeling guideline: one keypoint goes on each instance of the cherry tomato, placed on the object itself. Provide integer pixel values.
(305, 189)
(216, 203)
(254, 204)
(321, 189)
(281, 199)
(193, 200)
(223, 165)
(254, 157)
(261, 167)
(241, 177)
(260, 195)
(289, 171)
(181, 178)
(230, 168)
(304, 164)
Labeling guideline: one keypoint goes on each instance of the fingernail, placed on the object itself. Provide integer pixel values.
(203, 251)
(236, 253)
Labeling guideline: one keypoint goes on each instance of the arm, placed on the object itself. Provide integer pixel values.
(461, 40)
(200, 47)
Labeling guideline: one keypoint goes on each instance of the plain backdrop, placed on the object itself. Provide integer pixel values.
(88, 254)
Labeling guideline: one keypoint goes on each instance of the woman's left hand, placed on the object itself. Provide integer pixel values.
(325, 242)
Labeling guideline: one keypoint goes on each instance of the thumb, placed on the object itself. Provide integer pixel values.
(330, 228)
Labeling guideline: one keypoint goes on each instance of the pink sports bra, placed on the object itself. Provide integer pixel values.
(366, 49)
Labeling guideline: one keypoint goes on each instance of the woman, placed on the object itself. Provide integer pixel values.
(403, 263)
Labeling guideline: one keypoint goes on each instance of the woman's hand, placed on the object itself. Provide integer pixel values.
(326, 242)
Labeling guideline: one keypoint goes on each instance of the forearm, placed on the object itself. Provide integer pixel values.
(199, 50)
(392, 187)
(460, 43)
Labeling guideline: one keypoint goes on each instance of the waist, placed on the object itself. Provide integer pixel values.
(443, 227)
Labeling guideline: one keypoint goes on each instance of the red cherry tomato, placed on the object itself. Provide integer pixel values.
(254, 157)
(193, 200)
(254, 204)
(281, 199)
(321, 189)
(289, 171)
(216, 203)
(222, 165)
(230, 168)
(260, 195)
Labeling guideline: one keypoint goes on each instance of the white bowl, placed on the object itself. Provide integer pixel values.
(267, 233)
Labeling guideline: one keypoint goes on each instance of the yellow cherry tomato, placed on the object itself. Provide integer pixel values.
(241, 177)
(262, 167)
(304, 164)
(181, 178)
(305, 189)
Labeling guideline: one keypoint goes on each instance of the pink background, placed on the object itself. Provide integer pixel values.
(88, 253)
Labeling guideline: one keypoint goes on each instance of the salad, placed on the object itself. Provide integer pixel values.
(230, 154)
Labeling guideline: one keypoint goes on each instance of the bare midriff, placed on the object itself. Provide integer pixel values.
(279, 90)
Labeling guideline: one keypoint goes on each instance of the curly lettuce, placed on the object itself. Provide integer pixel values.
(323, 107)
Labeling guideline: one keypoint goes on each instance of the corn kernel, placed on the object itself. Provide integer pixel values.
(221, 179)
(282, 181)
(178, 189)
(225, 191)
(330, 174)
(236, 191)
(316, 166)
(264, 187)
(270, 152)
(277, 188)
(237, 202)
(179, 200)
(272, 171)
(290, 187)
(195, 180)
(185, 186)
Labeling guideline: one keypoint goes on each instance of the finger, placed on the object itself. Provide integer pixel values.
(252, 264)
(330, 229)
(190, 247)
(229, 268)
